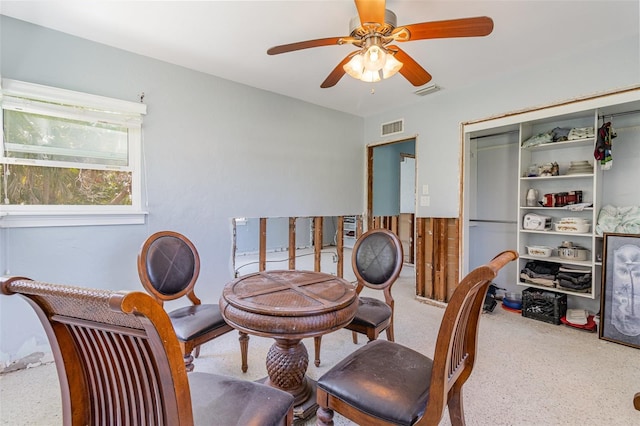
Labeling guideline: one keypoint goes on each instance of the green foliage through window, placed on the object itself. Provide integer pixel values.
(35, 185)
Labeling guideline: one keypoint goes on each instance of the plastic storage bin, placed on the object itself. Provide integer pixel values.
(543, 305)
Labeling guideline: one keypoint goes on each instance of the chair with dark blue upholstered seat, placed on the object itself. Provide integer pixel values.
(377, 261)
(168, 266)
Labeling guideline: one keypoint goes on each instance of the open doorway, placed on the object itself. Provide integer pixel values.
(391, 193)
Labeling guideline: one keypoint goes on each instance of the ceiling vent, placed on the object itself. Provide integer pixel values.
(393, 127)
(427, 89)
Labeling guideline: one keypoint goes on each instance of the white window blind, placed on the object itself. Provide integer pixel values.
(90, 144)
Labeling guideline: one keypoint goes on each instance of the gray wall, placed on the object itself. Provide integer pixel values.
(214, 150)
(435, 121)
(248, 234)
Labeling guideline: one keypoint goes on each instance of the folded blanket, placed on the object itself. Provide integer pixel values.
(540, 267)
(524, 278)
(624, 220)
(574, 281)
(538, 139)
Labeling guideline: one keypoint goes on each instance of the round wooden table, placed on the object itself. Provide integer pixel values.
(289, 305)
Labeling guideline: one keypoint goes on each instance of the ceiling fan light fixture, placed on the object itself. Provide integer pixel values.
(356, 69)
(371, 31)
(374, 58)
(391, 67)
(371, 76)
(357, 66)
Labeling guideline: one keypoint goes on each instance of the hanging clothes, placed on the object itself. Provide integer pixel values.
(603, 151)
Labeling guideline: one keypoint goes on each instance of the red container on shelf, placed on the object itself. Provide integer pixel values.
(561, 199)
(549, 200)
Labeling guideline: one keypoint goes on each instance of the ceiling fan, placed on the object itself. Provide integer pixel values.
(373, 31)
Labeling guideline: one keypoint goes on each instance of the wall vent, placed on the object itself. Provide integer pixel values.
(392, 128)
(427, 89)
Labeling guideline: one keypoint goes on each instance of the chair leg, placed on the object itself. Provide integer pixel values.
(456, 409)
(317, 342)
(354, 336)
(324, 417)
(390, 333)
(372, 334)
(197, 354)
(244, 349)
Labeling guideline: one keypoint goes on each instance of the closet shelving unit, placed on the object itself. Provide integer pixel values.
(579, 113)
(350, 231)
(563, 153)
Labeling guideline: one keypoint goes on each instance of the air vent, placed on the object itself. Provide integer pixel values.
(393, 127)
(426, 90)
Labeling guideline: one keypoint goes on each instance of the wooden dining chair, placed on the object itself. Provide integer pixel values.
(377, 260)
(385, 383)
(168, 266)
(119, 363)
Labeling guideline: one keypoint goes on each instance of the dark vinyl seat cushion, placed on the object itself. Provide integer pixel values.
(224, 401)
(371, 312)
(364, 378)
(192, 321)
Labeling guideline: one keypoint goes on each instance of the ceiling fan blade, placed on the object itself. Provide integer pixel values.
(371, 11)
(284, 48)
(465, 27)
(411, 70)
(337, 73)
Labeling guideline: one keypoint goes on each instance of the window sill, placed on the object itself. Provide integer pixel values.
(60, 218)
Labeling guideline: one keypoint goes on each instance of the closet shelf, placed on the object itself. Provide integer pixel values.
(575, 176)
(561, 145)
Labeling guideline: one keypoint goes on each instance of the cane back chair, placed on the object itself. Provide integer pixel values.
(119, 363)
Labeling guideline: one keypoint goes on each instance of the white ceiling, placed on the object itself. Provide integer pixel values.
(229, 39)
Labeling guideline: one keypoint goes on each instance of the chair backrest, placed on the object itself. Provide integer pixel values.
(117, 356)
(455, 349)
(168, 266)
(377, 260)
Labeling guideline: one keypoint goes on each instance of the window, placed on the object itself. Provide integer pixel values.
(68, 158)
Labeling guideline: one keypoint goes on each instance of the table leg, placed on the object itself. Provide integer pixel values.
(287, 362)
